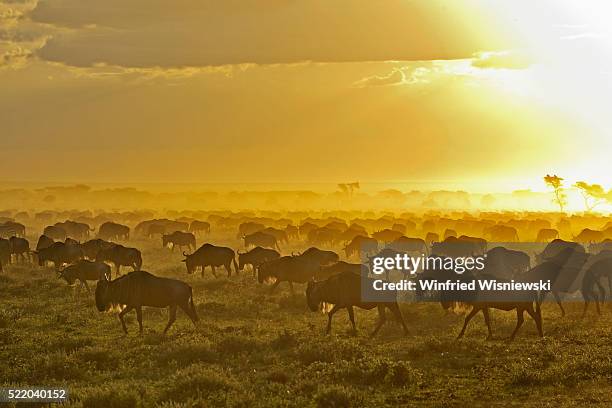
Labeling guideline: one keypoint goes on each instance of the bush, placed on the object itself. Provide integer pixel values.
(336, 397)
(110, 398)
(197, 381)
(186, 354)
(237, 344)
(101, 358)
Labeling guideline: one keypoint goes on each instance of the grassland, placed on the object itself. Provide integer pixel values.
(256, 349)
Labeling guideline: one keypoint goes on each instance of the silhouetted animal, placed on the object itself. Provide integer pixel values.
(279, 234)
(344, 291)
(111, 231)
(320, 256)
(213, 256)
(180, 239)
(361, 246)
(256, 257)
(506, 263)
(261, 239)
(555, 247)
(44, 242)
(386, 235)
(12, 228)
(93, 246)
(592, 277)
(589, 236)
(59, 254)
(501, 233)
(327, 271)
(199, 227)
(54, 232)
(5, 252)
(547, 235)
(76, 230)
(121, 256)
(140, 288)
(20, 247)
(409, 245)
(85, 270)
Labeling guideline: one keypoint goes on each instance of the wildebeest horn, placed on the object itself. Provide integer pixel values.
(185, 255)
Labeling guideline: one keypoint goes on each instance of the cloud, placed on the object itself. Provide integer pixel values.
(199, 33)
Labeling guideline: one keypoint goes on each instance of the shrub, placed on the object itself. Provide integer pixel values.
(110, 398)
(336, 397)
(196, 381)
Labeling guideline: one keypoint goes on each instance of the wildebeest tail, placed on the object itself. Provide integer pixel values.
(193, 309)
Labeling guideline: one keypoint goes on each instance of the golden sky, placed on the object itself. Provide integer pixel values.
(452, 92)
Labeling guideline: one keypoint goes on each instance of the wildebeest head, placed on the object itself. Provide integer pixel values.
(102, 301)
(68, 275)
(311, 296)
(264, 272)
(189, 263)
(165, 240)
(241, 260)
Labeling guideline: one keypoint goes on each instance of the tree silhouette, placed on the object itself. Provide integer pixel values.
(592, 194)
(556, 183)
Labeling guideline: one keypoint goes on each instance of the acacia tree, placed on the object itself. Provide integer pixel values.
(556, 183)
(592, 194)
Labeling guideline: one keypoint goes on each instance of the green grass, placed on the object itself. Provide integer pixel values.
(256, 349)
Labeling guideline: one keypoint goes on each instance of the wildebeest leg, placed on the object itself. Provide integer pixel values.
(228, 268)
(121, 314)
(536, 318)
(602, 296)
(139, 317)
(519, 322)
(274, 286)
(84, 283)
(558, 299)
(487, 318)
(351, 314)
(171, 317)
(382, 318)
(398, 315)
(214, 271)
(189, 312)
(329, 318)
(291, 288)
(117, 269)
(467, 320)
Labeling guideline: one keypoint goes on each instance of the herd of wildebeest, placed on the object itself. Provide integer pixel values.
(337, 249)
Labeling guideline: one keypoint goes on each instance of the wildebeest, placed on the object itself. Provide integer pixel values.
(180, 239)
(327, 271)
(361, 246)
(320, 256)
(256, 257)
(12, 228)
(409, 245)
(261, 239)
(213, 256)
(589, 236)
(20, 247)
(290, 269)
(292, 232)
(199, 227)
(54, 232)
(76, 230)
(592, 278)
(111, 231)
(279, 234)
(59, 254)
(85, 270)
(555, 247)
(562, 271)
(121, 256)
(140, 288)
(93, 246)
(547, 235)
(506, 263)
(5, 252)
(44, 242)
(456, 248)
(386, 235)
(501, 233)
(248, 228)
(344, 291)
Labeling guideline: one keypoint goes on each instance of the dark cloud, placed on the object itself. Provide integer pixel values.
(155, 33)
